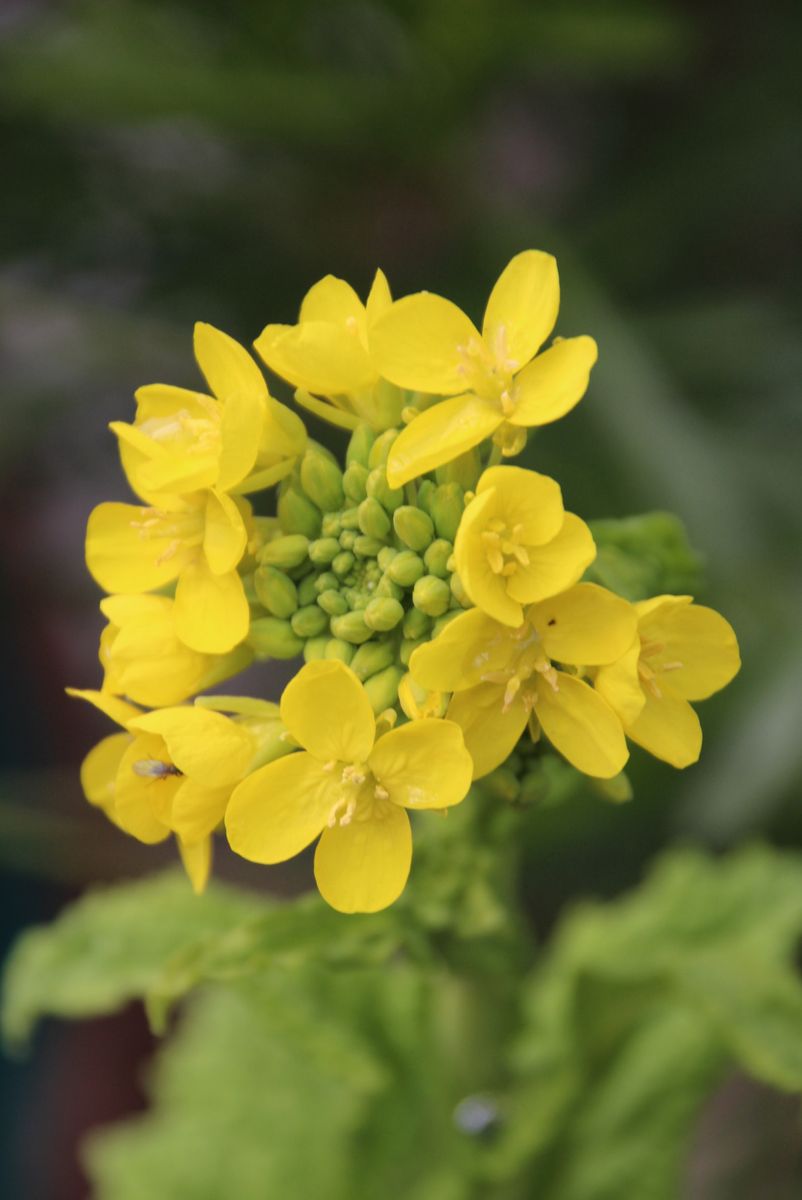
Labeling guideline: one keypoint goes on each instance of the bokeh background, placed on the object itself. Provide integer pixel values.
(172, 160)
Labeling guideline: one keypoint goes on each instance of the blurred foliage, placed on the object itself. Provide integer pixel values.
(644, 556)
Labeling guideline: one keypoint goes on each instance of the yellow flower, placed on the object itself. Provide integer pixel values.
(182, 441)
(144, 659)
(503, 678)
(499, 387)
(682, 652)
(516, 544)
(197, 540)
(349, 785)
(173, 770)
(328, 354)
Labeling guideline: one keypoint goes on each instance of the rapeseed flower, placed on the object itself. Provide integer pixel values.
(503, 678)
(349, 787)
(498, 388)
(516, 544)
(683, 651)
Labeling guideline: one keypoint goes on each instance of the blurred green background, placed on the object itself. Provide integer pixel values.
(170, 161)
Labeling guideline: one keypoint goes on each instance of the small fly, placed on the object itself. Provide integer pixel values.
(153, 768)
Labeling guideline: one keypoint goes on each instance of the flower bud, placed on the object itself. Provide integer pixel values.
(379, 489)
(347, 539)
(307, 593)
(417, 701)
(413, 526)
(351, 627)
(371, 658)
(285, 552)
(331, 525)
(458, 591)
(309, 622)
(297, 513)
(355, 481)
(333, 602)
(342, 564)
(373, 520)
(337, 648)
(381, 448)
(386, 556)
(386, 587)
(367, 547)
(437, 556)
(382, 614)
(276, 591)
(617, 790)
(272, 637)
(325, 581)
(360, 445)
(408, 647)
(427, 490)
(315, 648)
(382, 689)
(416, 624)
(431, 595)
(322, 551)
(322, 480)
(406, 568)
(447, 507)
(441, 622)
(464, 470)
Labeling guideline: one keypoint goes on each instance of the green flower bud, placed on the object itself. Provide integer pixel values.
(306, 590)
(617, 790)
(337, 648)
(464, 470)
(325, 581)
(386, 587)
(416, 624)
(427, 490)
(447, 507)
(431, 595)
(406, 568)
(272, 637)
(297, 513)
(357, 599)
(333, 602)
(379, 489)
(249, 588)
(501, 784)
(322, 480)
(382, 614)
(373, 520)
(407, 648)
(413, 526)
(331, 525)
(342, 564)
(359, 447)
(382, 689)
(458, 591)
(386, 556)
(381, 448)
(285, 552)
(372, 657)
(349, 518)
(351, 627)
(354, 482)
(309, 622)
(276, 591)
(367, 547)
(315, 648)
(348, 538)
(437, 556)
(323, 550)
(441, 622)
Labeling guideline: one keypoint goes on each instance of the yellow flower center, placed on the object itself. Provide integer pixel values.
(648, 672)
(527, 659)
(185, 433)
(183, 529)
(504, 547)
(361, 796)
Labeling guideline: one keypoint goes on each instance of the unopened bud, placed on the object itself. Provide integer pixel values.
(322, 480)
(355, 482)
(348, 538)
(349, 518)
(382, 614)
(333, 602)
(381, 448)
(416, 624)
(331, 525)
(408, 647)
(373, 520)
(309, 622)
(427, 490)
(431, 595)
(386, 556)
(617, 790)
(272, 637)
(342, 564)
(386, 587)
(371, 658)
(382, 689)
(406, 568)
(437, 556)
(458, 591)
(351, 627)
(441, 622)
(379, 489)
(307, 593)
(337, 648)
(297, 513)
(464, 470)
(413, 526)
(325, 581)
(367, 547)
(285, 552)
(322, 551)
(360, 445)
(447, 507)
(315, 648)
(275, 591)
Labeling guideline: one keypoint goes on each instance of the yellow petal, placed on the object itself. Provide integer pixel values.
(326, 410)
(318, 356)
(327, 710)
(668, 728)
(581, 725)
(241, 423)
(698, 647)
(283, 435)
(522, 308)
(211, 612)
(439, 435)
(204, 745)
(140, 799)
(226, 365)
(364, 866)
(196, 810)
(525, 499)
(619, 683)
(379, 298)
(197, 860)
(586, 625)
(491, 733)
(470, 646)
(99, 769)
(553, 382)
(277, 811)
(488, 589)
(423, 764)
(112, 706)
(332, 299)
(555, 566)
(246, 706)
(224, 535)
(125, 556)
(421, 344)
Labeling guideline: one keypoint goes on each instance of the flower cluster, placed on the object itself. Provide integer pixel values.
(435, 592)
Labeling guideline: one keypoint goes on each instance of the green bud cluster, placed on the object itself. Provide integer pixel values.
(360, 572)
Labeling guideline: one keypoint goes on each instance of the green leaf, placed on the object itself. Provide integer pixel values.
(644, 556)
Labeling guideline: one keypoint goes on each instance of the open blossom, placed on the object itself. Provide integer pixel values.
(516, 544)
(498, 387)
(683, 651)
(351, 785)
(503, 678)
(328, 354)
